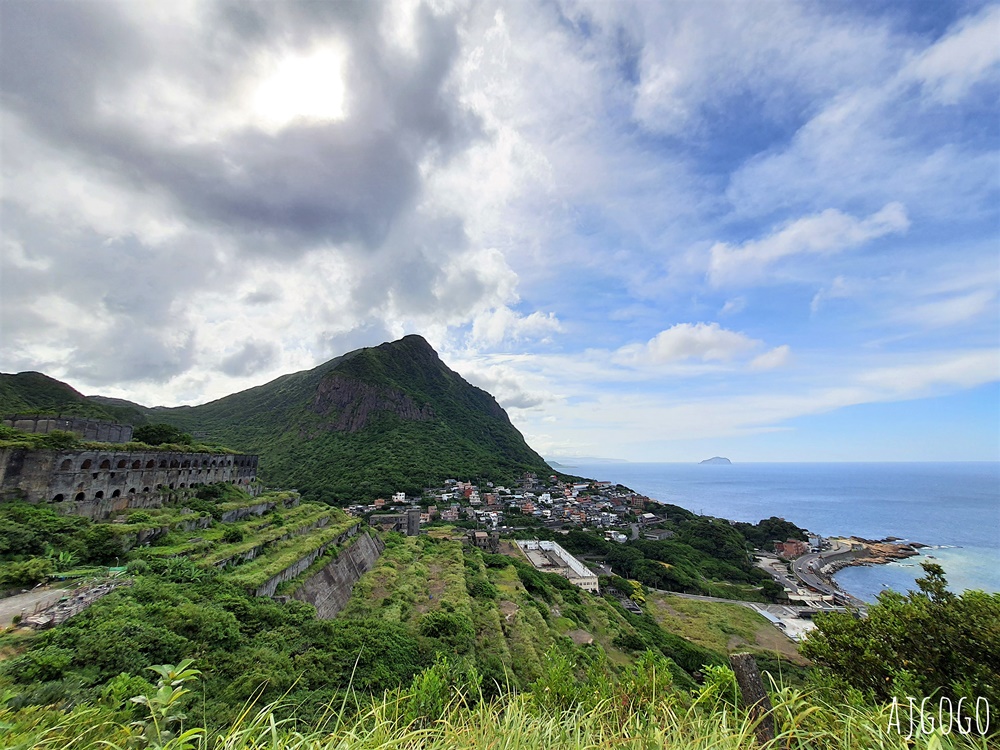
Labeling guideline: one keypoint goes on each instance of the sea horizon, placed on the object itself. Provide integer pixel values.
(942, 504)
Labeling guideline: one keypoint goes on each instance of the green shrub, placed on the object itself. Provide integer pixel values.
(453, 628)
(233, 535)
(26, 573)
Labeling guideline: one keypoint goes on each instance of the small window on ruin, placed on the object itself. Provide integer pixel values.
(87, 464)
(181, 486)
(66, 465)
(175, 464)
(151, 464)
(186, 465)
(131, 490)
(58, 498)
(122, 464)
(146, 489)
(137, 464)
(99, 495)
(105, 464)
(116, 493)
(163, 464)
(171, 485)
(80, 497)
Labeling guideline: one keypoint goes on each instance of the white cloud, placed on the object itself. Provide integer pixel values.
(650, 423)
(503, 325)
(826, 233)
(706, 342)
(770, 360)
(839, 288)
(948, 370)
(952, 310)
(773, 55)
(734, 306)
(964, 57)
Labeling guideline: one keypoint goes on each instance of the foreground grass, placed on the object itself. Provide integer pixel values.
(803, 721)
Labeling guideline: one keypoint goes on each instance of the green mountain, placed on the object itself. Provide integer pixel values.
(374, 421)
(35, 393)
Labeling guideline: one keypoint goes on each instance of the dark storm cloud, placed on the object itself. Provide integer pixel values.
(121, 296)
(130, 325)
(260, 297)
(281, 192)
(131, 351)
(253, 357)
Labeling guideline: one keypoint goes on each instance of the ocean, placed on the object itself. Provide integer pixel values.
(953, 507)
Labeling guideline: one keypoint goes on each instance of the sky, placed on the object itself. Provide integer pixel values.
(655, 231)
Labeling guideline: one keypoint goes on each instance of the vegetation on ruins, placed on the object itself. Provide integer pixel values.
(372, 422)
(61, 440)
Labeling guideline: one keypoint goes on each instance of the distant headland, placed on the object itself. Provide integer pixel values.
(716, 460)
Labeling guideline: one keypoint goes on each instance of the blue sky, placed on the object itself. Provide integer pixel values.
(655, 231)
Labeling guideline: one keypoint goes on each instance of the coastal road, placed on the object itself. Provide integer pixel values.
(806, 568)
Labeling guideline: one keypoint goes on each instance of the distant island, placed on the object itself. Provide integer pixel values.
(716, 460)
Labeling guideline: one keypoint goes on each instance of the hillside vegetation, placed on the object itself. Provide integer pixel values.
(443, 645)
(35, 393)
(372, 422)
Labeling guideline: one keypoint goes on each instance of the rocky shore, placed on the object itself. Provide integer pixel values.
(875, 552)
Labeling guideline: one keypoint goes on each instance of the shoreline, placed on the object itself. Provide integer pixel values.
(873, 552)
(868, 553)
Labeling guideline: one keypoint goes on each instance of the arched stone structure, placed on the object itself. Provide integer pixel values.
(41, 476)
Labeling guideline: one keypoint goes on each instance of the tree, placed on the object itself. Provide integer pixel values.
(160, 433)
(928, 641)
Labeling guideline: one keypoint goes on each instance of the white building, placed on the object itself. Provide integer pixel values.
(550, 557)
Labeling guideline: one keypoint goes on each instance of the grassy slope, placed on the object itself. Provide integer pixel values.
(517, 626)
(725, 628)
(804, 722)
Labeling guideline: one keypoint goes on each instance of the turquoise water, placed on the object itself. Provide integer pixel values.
(954, 507)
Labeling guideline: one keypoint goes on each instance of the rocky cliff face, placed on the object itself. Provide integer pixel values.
(350, 403)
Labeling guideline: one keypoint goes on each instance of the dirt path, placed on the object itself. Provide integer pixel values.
(28, 603)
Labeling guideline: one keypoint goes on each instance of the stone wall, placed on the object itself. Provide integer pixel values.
(302, 563)
(330, 589)
(89, 429)
(245, 511)
(250, 554)
(102, 483)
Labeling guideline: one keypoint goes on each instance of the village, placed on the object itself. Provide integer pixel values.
(553, 504)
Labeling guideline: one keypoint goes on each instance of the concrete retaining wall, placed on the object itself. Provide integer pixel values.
(238, 514)
(302, 563)
(330, 589)
(251, 553)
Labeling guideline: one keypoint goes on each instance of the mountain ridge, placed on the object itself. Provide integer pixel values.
(370, 422)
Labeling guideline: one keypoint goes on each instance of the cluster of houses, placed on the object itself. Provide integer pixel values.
(553, 504)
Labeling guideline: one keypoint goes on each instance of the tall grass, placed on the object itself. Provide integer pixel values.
(805, 721)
